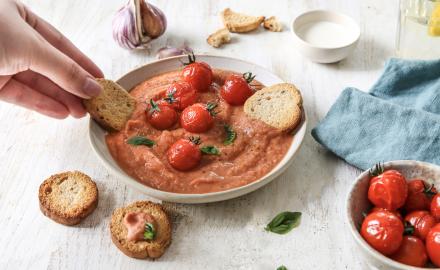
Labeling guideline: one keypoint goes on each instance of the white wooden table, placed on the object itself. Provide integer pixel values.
(226, 235)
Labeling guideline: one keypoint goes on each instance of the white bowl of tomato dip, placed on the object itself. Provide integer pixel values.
(358, 206)
(258, 154)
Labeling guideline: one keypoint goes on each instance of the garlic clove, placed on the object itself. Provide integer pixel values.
(137, 23)
(168, 51)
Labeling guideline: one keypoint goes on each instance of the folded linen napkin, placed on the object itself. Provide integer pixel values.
(398, 119)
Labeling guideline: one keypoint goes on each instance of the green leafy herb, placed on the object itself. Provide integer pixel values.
(284, 222)
(282, 267)
(210, 150)
(230, 135)
(210, 106)
(140, 140)
(149, 232)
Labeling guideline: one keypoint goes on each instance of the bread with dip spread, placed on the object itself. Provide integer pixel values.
(240, 23)
(68, 197)
(112, 107)
(279, 105)
(141, 230)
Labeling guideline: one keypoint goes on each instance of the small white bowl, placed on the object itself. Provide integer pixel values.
(136, 76)
(358, 203)
(325, 36)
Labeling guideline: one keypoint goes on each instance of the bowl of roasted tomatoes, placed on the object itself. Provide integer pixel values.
(393, 212)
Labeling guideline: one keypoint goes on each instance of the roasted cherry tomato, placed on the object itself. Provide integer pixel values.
(236, 89)
(419, 195)
(198, 74)
(388, 189)
(422, 221)
(383, 231)
(185, 154)
(412, 252)
(435, 207)
(161, 115)
(433, 245)
(181, 95)
(198, 118)
(378, 209)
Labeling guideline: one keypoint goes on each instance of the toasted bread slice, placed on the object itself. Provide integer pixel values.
(279, 105)
(141, 249)
(68, 197)
(113, 107)
(240, 23)
(219, 38)
(272, 24)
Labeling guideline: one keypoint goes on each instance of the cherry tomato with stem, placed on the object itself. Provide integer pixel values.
(198, 74)
(421, 222)
(383, 231)
(388, 189)
(198, 117)
(161, 115)
(181, 95)
(433, 244)
(419, 195)
(412, 252)
(236, 89)
(185, 154)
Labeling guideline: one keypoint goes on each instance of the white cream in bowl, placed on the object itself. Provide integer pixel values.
(325, 36)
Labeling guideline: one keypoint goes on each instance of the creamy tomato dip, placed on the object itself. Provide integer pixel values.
(257, 149)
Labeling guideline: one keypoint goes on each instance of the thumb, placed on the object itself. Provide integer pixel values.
(62, 70)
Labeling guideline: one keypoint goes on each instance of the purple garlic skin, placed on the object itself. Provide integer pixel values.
(137, 23)
(168, 51)
(124, 28)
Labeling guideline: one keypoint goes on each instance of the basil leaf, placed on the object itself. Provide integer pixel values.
(149, 232)
(140, 140)
(284, 222)
(210, 150)
(230, 135)
(282, 267)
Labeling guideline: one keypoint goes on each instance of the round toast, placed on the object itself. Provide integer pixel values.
(141, 249)
(68, 197)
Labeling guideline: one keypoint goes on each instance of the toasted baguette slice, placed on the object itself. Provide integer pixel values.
(240, 23)
(113, 107)
(272, 24)
(141, 249)
(279, 105)
(219, 38)
(68, 197)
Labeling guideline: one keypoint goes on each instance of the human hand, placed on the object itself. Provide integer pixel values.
(40, 69)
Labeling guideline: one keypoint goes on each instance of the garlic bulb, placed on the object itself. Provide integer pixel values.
(168, 51)
(137, 23)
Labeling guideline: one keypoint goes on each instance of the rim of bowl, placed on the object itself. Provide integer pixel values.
(355, 233)
(211, 195)
(347, 18)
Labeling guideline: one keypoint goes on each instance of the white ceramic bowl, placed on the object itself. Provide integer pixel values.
(357, 203)
(134, 77)
(326, 51)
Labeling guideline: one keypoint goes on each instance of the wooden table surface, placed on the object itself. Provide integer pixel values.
(225, 235)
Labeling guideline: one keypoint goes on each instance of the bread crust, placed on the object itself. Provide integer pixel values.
(53, 210)
(218, 38)
(240, 27)
(111, 96)
(142, 249)
(290, 121)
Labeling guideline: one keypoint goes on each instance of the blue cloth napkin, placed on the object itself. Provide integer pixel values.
(398, 119)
